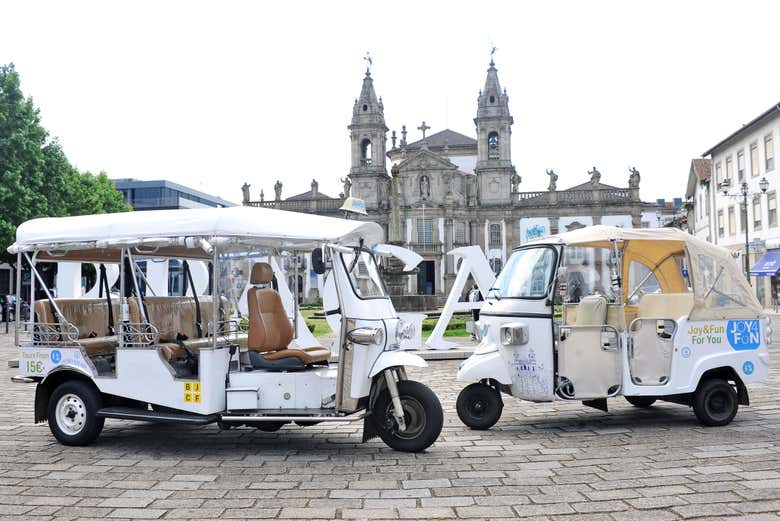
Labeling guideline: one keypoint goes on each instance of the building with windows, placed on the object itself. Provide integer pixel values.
(446, 189)
(165, 195)
(744, 160)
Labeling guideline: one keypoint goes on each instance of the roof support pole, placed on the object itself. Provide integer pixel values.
(216, 301)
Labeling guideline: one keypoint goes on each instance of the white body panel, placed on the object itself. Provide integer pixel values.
(390, 359)
(708, 344)
(313, 389)
(143, 375)
(699, 346)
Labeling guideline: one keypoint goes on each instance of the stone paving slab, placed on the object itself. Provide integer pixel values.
(550, 462)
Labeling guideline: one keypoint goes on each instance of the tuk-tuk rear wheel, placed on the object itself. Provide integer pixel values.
(423, 416)
(479, 406)
(643, 402)
(715, 402)
(71, 413)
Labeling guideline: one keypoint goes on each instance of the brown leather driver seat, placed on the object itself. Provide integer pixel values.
(270, 331)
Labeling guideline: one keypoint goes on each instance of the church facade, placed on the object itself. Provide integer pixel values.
(448, 190)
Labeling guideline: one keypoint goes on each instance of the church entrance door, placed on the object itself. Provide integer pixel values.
(426, 278)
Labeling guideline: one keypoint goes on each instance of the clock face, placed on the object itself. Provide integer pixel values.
(493, 140)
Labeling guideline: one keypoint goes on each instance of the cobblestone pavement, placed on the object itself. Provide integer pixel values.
(541, 461)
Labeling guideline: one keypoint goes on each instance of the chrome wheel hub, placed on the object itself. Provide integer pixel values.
(71, 414)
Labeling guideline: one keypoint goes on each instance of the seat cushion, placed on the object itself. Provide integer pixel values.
(592, 311)
(269, 327)
(99, 345)
(309, 356)
(665, 305)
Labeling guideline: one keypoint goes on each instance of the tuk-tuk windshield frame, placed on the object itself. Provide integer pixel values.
(372, 275)
(509, 285)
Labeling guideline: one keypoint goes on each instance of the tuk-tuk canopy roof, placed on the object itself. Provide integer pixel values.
(591, 235)
(255, 227)
(719, 287)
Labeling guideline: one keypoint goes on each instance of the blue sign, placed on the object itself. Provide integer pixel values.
(535, 232)
(744, 335)
(748, 367)
(56, 356)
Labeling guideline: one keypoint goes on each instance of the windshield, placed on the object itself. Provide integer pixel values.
(527, 274)
(364, 275)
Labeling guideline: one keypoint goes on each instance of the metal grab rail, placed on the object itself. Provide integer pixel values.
(135, 335)
(53, 334)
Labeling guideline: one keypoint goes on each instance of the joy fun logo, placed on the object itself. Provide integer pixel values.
(743, 335)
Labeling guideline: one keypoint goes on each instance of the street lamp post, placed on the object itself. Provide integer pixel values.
(658, 214)
(744, 193)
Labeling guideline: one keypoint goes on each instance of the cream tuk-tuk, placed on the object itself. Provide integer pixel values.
(602, 312)
(195, 358)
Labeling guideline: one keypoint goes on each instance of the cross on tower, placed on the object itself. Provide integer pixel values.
(423, 128)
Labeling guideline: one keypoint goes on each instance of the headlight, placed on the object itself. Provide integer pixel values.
(367, 336)
(506, 336)
(515, 334)
(403, 331)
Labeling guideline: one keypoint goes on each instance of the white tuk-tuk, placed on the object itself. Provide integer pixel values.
(194, 358)
(601, 312)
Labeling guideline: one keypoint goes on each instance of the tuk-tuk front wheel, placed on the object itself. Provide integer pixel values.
(715, 402)
(479, 406)
(71, 410)
(423, 416)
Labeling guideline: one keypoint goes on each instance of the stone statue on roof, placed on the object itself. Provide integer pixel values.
(515, 182)
(633, 179)
(278, 190)
(553, 180)
(245, 190)
(347, 187)
(595, 177)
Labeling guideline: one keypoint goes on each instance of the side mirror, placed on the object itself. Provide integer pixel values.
(318, 261)
(563, 282)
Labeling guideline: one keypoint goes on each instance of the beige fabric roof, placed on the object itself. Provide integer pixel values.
(720, 288)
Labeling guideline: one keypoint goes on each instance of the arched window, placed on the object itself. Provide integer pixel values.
(493, 145)
(365, 152)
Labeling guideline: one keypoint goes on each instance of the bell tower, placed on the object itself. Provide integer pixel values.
(367, 131)
(494, 135)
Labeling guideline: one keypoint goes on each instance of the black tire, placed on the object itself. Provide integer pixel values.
(643, 402)
(715, 402)
(479, 406)
(71, 411)
(422, 412)
(269, 426)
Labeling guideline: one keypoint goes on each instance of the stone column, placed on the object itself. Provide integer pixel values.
(503, 242)
(554, 225)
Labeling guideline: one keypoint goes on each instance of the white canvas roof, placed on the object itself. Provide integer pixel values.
(600, 233)
(261, 226)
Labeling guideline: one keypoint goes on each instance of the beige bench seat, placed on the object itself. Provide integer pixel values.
(89, 316)
(175, 318)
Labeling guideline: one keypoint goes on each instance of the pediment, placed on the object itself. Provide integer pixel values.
(426, 160)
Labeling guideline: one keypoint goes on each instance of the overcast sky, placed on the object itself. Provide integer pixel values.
(214, 94)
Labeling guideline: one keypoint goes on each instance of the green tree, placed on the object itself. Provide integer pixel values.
(36, 178)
